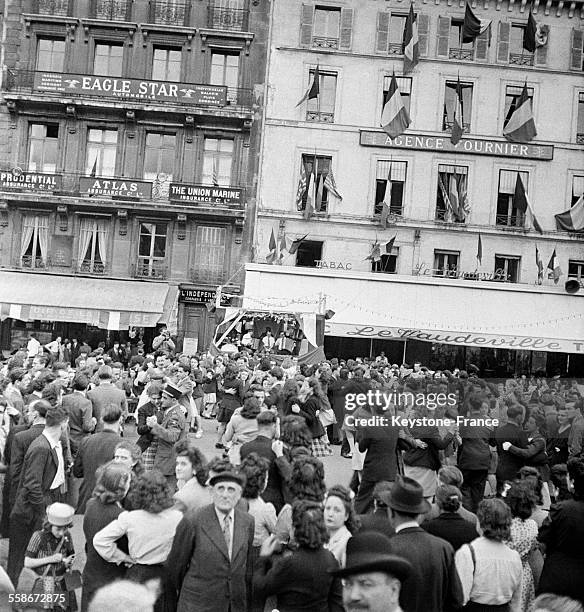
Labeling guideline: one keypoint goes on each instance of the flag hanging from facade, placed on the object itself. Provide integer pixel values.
(375, 254)
(411, 46)
(94, 168)
(480, 251)
(539, 264)
(522, 203)
(521, 125)
(572, 220)
(472, 25)
(310, 197)
(283, 247)
(394, 118)
(271, 256)
(319, 192)
(301, 187)
(296, 243)
(314, 89)
(454, 197)
(386, 203)
(330, 184)
(215, 175)
(389, 245)
(535, 34)
(458, 120)
(553, 267)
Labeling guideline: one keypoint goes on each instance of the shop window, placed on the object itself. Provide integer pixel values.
(50, 56)
(388, 263)
(580, 120)
(507, 268)
(108, 59)
(389, 186)
(405, 90)
(450, 105)
(101, 152)
(319, 166)
(512, 94)
(577, 188)
(507, 212)
(210, 252)
(452, 198)
(93, 243)
(446, 263)
(225, 71)
(166, 64)
(152, 250)
(457, 49)
(43, 147)
(159, 161)
(34, 241)
(322, 108)
(517, 54)
(309, 253)
(217, 161)
(576, 270)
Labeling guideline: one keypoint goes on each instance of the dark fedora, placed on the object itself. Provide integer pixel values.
(370, 551)
(228, 476)
(172, 390)
(407, 496)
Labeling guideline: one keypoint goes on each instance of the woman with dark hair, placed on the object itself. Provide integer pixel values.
(150, 531)
(301, 580)
(296, 437)
(113, 482)
(314, 401)
(306, 483)
(532, 476)
(290, 396)
(129, 455)
(490, 572)
(231, 399)
(191, 476)
(242, 428)
(563, 536)
(340, 521)
(449, 524)
(521, 501)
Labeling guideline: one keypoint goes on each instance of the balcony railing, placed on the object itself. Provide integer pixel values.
(447, 126)
(169, 12)
(320, 117)
(394, 209)
(460, 54)
(579, 138)
(325, 42)
(221, 18)
(515, 221)
(89, 267)
(521, 59)
(58, 8)
(446, 217)
(36, 263)
(111, 10)
(150, 268)
(209, 276)
(396, 49)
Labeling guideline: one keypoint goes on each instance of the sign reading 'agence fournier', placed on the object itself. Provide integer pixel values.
(130, 89)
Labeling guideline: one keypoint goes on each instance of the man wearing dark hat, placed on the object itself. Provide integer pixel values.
(433, 583)
(372, 576)
(168, 432)
(211, 564)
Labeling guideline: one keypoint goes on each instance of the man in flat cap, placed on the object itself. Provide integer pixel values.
(166, 433)
(372, 575)
(210, 565)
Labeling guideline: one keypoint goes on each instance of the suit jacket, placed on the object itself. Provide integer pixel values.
(376, 521)
(94, 451)
(381, 446)
(279, 471)
(38, 472)
(103, 395)
(167, 433)
(80, 410)
(199, 567)
(434, 583)
(509, 463)
(20, 445)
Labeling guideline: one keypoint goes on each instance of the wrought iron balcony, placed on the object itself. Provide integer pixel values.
(395, 49)
(60, 8)
(579, 138)
(169, 12)
(446, 216)
(324, 42)
(521, 59)
(394, 209)
(150, 268)
(511, 221)
(111, 10)
(35, 263)
(221, 18)
(461, 54)
(91, 267)
(320, 117)
(447, 126)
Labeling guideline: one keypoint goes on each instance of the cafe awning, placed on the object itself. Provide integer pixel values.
(108, 304)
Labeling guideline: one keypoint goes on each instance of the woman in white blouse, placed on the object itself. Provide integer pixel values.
(340, 521)
(150, 531)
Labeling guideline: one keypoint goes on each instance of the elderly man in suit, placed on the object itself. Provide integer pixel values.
(168, 432)
(211, 563)
(42, 482)
(106, 393)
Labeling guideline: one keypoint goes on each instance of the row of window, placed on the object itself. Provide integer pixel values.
(322, 109)
(507, 268)
(331, 27)
(40, 248)
(452, 201)
(166, 62)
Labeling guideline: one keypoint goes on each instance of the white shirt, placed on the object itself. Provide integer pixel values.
(33, 347)
(221, 518)
(406, 525)
(268, 341)
(60, 475)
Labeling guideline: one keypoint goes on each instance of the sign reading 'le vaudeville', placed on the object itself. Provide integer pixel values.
(130, 89)
(30, 181)
(226, 196)
(128, 188)
(477, 146)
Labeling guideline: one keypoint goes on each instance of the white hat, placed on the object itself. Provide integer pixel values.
(60, 515)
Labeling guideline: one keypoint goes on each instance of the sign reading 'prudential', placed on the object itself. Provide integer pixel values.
(130, 89)
(478, 146)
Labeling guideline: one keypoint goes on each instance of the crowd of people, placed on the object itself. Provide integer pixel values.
(435, 512)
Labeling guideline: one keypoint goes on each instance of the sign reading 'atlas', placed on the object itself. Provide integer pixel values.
(130, 89)
(30, 181)
(122, 188)
(477, 146)
(223, 196)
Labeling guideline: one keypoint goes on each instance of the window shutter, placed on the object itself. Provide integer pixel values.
(423, 31)
(482, 46)
(306, 18)
(346, 28)
(540, 57)
(443, 36)
(503, 43)
(576, 56)
(382, 39)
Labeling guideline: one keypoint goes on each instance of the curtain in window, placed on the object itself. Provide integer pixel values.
(102, 239)
(453, 184)
(508, 180)
(28, 225)
(398, 170)
(85, 235)
(43, 237)
(578, 186)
